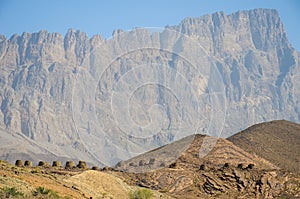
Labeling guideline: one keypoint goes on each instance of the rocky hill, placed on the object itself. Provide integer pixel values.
(106, 100)
(276, 141)
(189, 159)
(226, 172)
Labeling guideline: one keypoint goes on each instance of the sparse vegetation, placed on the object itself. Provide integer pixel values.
(141, 194)
(36, 170)
(10, 192)
(225, 177)
(42, 192)
(164, 190)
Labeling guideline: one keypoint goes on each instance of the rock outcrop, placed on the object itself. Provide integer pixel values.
(226, 172)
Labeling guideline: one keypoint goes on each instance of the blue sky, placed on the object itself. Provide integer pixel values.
(104, 16)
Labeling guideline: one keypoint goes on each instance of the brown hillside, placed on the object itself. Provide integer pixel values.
(223, 152)
(226, 172)
(276, 141)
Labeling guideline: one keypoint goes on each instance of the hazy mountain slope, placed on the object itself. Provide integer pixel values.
(276, 141)
(59, 91)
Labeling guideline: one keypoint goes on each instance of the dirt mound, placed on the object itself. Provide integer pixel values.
(95, 184)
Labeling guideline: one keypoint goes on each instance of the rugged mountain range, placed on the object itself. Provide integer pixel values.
(63, 95)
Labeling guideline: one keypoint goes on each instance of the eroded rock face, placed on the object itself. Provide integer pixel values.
(217, 182)
(258, 65)
(226, 172)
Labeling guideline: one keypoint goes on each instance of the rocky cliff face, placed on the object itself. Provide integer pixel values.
(64, 94)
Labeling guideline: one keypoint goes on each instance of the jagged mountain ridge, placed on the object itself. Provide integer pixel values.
(259, 67)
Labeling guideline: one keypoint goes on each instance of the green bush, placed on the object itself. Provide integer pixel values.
(141, 194)
(45, 193)
(12, 192)
(41, 190)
